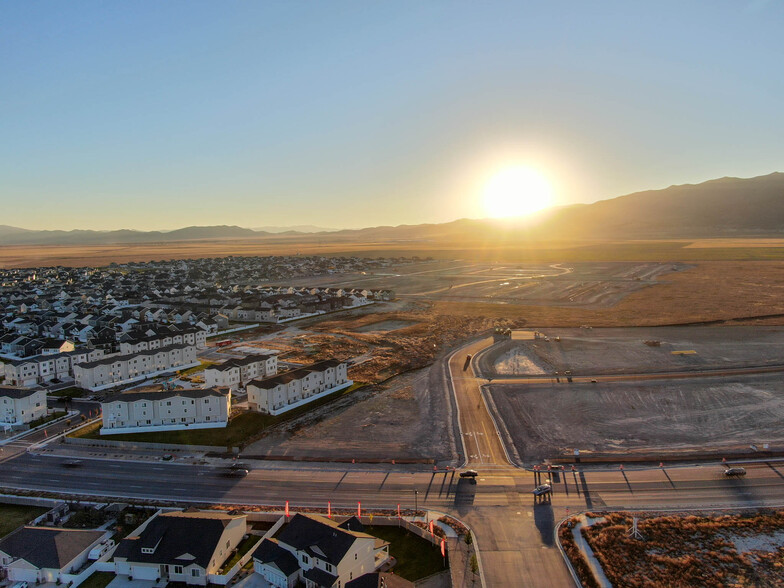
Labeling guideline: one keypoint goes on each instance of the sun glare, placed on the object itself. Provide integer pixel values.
(516, 191)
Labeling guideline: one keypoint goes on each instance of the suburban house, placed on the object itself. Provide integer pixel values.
(19, 406)
(180, 546)
(319, 552)
(168, 410)
(124, 369)
(42, 369)
(280, 393)
(46, 554)
(238, 372)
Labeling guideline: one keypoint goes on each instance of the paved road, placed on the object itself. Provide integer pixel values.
(514, 532)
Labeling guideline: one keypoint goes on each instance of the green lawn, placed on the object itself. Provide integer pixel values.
(98, 580)
(47, 419)
(240, 428)
(416, 557)
(197, 368)
(71, 392)
(16, 515)
(244, 547)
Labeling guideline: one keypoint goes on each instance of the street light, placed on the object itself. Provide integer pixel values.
(416, 501)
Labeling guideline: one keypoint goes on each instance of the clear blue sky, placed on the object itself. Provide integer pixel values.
(162, 114)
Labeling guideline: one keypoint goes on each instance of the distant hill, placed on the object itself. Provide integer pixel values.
(17, 236)
(727, 207)
(294, 229)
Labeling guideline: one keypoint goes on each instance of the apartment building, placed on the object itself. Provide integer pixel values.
(19, 406)
(125, 369)
(168, 410)
(42, 369)
(283, 392)
(238, 372)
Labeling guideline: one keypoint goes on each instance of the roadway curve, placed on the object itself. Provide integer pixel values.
(514, 533)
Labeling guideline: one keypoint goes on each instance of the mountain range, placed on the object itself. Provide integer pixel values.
(726, 207)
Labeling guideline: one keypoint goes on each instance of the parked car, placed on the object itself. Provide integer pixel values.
(469, 474)
(542, 489)
(72, 463)
(735, 472)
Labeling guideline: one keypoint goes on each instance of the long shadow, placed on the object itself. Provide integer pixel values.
(343, 477)
(384, 481)
(576, 485)
(430, 485)
(443, 482)
(629, 486)
(778, 473)
(544, 519)
(668, 477)
(465, 493)
(586, 492)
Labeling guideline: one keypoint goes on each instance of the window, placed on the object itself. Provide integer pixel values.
(195, 572)
(177, 569)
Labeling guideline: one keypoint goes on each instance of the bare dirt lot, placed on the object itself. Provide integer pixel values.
(409, 418)
(614, 351)
(702, 414)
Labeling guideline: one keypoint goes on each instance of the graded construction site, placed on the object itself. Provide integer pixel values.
(650, 392)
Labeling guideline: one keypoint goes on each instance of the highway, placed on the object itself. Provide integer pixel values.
(514, 532)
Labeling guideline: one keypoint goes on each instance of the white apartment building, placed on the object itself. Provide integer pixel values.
(42, 369)
(238, 372)
(168, 410)
(194, 336)
(19, 406)
(281, 393)
(125, 369)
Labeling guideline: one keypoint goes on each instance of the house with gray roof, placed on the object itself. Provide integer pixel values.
(326, 554)
(180, 546)
(46, 554)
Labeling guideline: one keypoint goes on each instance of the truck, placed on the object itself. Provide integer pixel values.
(224, 343)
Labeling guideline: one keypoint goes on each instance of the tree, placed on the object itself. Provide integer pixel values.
(468, 538)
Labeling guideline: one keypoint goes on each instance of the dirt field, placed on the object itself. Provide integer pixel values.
(611, 351)
(408, 418)
(546, 252)
(744, 292)
(667, 416)
(686, 550)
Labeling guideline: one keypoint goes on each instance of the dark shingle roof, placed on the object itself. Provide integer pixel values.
(319, 537)
(297, 374)
(181, 538)
(320, 577)
(17, 393)
(153, 395)
(269, 552)
(232, 363)
(45, 547)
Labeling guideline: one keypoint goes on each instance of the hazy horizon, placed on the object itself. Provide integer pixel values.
(154, 117)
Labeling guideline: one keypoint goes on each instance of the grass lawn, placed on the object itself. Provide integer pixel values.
(197, 368)
(98, 580)
(16, 515)
(240, 428)
(416, 558)
(70, 392)
(47, 419)
(244, 547)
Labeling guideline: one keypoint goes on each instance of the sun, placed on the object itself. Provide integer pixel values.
(516, 191)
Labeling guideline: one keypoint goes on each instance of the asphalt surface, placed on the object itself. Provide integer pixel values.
(514, 532)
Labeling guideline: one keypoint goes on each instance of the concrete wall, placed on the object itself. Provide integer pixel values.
(139, 445)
